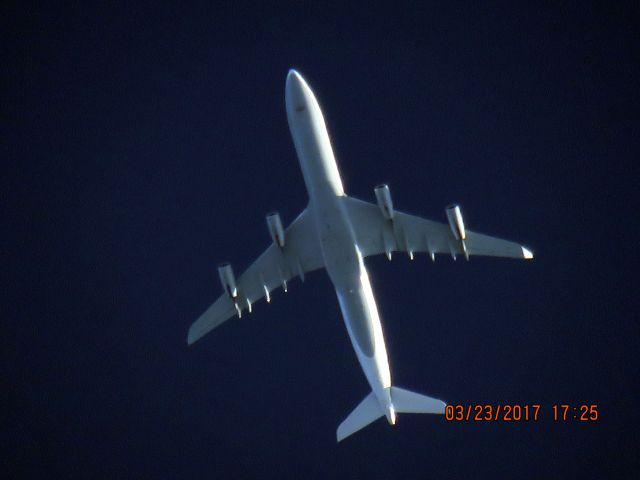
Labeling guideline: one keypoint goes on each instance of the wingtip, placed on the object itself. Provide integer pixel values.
(527, 254)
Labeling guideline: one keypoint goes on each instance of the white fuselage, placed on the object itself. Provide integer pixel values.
(343, 260)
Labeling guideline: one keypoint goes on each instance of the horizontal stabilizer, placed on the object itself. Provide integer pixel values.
(365, 413)
(405, 401)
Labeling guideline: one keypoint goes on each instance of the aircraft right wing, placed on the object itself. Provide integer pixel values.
(409, 233)
(274, 268)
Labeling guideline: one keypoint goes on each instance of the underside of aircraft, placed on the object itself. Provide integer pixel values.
(337, 232)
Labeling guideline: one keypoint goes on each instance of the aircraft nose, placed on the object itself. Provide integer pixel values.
(293, 75)
(295, 91)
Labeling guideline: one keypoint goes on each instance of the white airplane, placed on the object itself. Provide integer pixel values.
(337, 232)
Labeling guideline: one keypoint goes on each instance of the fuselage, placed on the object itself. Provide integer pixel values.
(343, 260)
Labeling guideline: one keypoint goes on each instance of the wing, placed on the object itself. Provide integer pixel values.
(411, 234)
(274, 268)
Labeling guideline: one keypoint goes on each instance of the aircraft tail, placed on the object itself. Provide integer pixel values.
(402, 401)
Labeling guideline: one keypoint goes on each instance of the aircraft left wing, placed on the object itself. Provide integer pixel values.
(409, 233)
(274, 268)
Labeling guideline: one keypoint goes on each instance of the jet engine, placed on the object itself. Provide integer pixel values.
(454, 215)
(228, 280)
(383, 196)
(275, 228)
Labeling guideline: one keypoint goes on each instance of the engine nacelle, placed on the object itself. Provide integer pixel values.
(383, 196)
(275, 228)
(454, 215)
(228, 280)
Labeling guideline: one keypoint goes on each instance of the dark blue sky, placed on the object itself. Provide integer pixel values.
(143, 145)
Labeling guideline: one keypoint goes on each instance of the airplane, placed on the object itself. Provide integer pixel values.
(337, 232)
